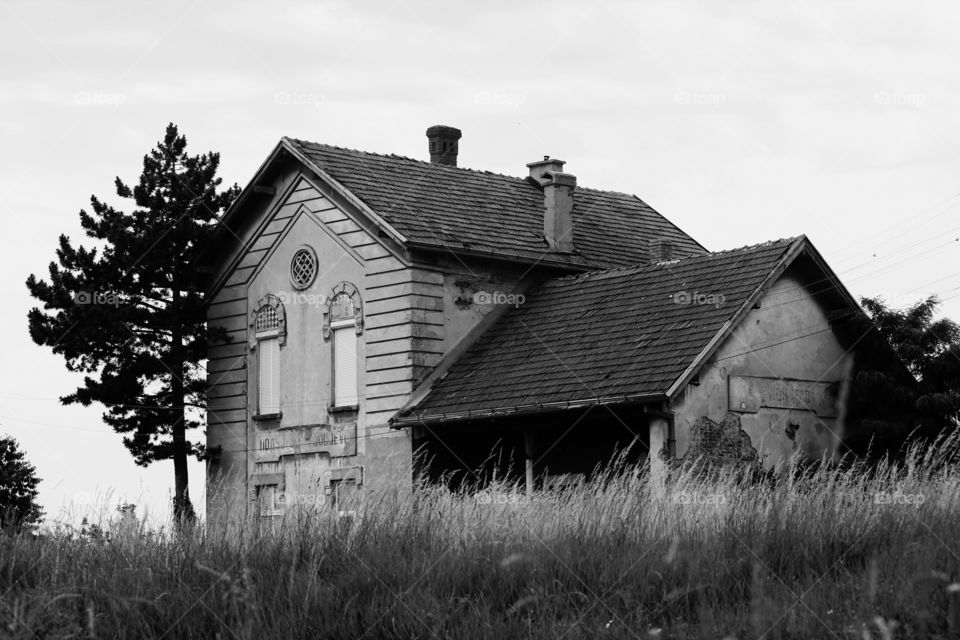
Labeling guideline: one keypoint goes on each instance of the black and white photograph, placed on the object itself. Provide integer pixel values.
(461, 321)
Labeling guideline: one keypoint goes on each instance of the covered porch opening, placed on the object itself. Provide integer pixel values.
(538, 450)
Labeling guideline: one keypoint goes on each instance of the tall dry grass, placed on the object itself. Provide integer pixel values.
(853, 552)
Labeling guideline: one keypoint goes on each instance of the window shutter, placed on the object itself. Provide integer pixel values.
(345, 366)
(269, 376)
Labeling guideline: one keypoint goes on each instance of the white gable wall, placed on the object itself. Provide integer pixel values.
(773, 371)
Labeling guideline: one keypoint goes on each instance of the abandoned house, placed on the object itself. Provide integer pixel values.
(374, 306)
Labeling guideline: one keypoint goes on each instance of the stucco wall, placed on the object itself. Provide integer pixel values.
(305, 364)
(305, 388)
(472, 289)
(773, 371)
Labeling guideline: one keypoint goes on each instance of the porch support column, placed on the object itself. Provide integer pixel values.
(528, 458)
(659, 435)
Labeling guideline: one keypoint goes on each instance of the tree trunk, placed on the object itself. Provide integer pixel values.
(182, 509)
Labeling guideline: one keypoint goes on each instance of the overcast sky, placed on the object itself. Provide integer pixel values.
(739, 121)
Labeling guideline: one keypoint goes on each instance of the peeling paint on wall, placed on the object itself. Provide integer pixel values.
(720, 444)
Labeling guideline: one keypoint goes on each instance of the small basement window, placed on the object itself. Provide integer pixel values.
(269, 501)
(343, 497)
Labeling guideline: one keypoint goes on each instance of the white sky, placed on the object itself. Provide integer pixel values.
(739, 121)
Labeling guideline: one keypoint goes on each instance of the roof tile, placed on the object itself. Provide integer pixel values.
(603, 334)
(462, 208)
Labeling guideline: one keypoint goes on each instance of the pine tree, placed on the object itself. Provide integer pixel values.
(129, 312)
(18, 487)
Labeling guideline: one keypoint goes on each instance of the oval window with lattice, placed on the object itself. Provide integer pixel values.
(303, 268)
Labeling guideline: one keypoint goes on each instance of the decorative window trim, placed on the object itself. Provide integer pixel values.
(350, 290)
(280, 331)
(316, 266)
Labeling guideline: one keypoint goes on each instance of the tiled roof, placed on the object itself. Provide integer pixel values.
(620, 333)
(465, 209)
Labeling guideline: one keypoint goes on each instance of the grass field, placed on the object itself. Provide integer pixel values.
(853, 553)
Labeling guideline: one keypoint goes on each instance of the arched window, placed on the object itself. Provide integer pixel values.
(342, 324)
(268, 332)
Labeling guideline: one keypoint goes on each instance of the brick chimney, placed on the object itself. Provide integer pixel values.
(443, 144)
(558, 217)
(539, 168)
(661, 250)
(558, 188)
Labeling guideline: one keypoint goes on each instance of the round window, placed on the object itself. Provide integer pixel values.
(303, 268)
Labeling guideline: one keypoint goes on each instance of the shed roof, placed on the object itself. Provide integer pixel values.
(605, 336)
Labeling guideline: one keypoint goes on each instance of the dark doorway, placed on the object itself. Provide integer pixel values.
(570, 444)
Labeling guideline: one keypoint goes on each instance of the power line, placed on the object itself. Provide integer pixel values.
(914, 223)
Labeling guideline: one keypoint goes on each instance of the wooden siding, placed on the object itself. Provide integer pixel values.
(404, 336)
(227, 381)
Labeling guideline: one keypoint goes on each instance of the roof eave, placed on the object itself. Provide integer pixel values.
(502, 255)
(235, 206)
(838, 285)
(399, 422)
(294, 149)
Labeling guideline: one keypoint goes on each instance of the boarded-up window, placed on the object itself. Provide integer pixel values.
(269, 500)
(343, 324)
(344, 363)
(343, 496)
(269, 333)
(269, 375)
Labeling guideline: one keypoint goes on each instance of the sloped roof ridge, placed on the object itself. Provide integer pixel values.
(759, 245)
(395, 156)
(443, 167)
(638, 268)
